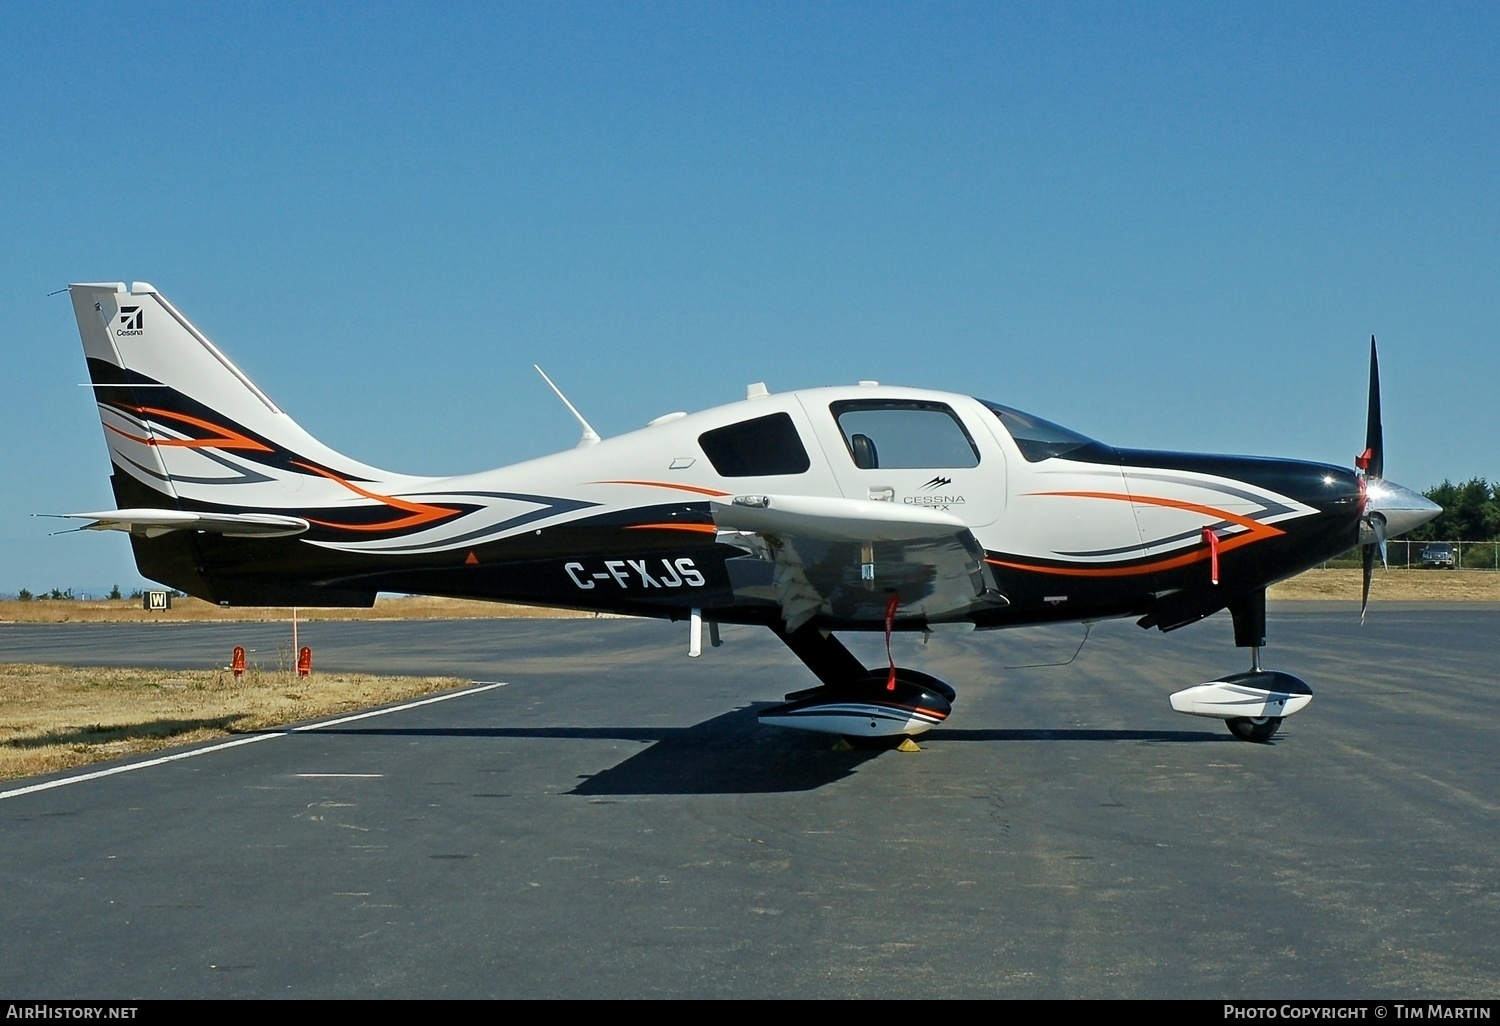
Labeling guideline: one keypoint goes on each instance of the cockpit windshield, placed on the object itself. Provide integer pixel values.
(1037, 439)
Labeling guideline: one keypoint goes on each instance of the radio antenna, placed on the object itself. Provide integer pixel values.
(590, 436)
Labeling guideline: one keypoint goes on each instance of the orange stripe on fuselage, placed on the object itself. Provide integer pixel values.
(1256, 532)
(702, 528)
(664, 484)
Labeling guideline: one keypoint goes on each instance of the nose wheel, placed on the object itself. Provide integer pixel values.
(1259, 729)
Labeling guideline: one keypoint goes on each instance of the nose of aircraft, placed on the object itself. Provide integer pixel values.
(1403, 509)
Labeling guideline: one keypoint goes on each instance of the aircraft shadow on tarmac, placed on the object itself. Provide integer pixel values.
(734, 754)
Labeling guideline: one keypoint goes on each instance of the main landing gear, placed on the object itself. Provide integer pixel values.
(854, 701)
(1251, 704)
(858, 703)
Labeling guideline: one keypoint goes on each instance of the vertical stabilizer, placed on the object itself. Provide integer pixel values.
(186, 429)
(216, 486)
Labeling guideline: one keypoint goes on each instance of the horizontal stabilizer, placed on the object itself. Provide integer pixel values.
(153, 523)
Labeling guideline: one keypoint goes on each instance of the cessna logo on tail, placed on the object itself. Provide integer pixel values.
(132, 321)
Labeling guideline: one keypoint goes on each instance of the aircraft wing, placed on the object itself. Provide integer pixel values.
(841, 558)
(155, 522)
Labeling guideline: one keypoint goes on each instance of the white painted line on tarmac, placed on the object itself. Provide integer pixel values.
(338, 776)
(249, 739)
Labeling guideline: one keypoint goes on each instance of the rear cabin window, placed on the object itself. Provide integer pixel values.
(899, 434)
(763, 447)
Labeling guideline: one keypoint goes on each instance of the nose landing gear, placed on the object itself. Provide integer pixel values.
(1252, 704)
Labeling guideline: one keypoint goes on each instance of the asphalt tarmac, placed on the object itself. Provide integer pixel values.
(613, 822)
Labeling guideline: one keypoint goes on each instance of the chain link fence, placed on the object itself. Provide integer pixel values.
(1432, 555)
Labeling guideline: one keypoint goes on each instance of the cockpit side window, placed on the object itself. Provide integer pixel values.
(1037, 439)
(898, 434)
(763, 447)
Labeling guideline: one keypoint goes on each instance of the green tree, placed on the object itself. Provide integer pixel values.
(1471, 512)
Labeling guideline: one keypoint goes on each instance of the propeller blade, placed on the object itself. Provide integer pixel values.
(1368, 554)
(1373, 532)
(1372, 539)
(1374, 436)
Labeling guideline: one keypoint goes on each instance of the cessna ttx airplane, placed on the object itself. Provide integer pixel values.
(861, 508)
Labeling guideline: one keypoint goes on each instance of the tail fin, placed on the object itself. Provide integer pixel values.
(199, 450)
(186, 429)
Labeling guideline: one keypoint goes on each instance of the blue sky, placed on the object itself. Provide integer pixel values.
(1164, 225)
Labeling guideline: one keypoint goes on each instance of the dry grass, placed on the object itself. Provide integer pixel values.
(130, 611)
(56, 717)
(1393, 586)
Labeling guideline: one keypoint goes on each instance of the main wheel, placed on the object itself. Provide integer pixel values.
(1259, 729)
(867, 706)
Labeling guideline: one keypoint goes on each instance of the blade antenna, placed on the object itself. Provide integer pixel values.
(590, 436)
